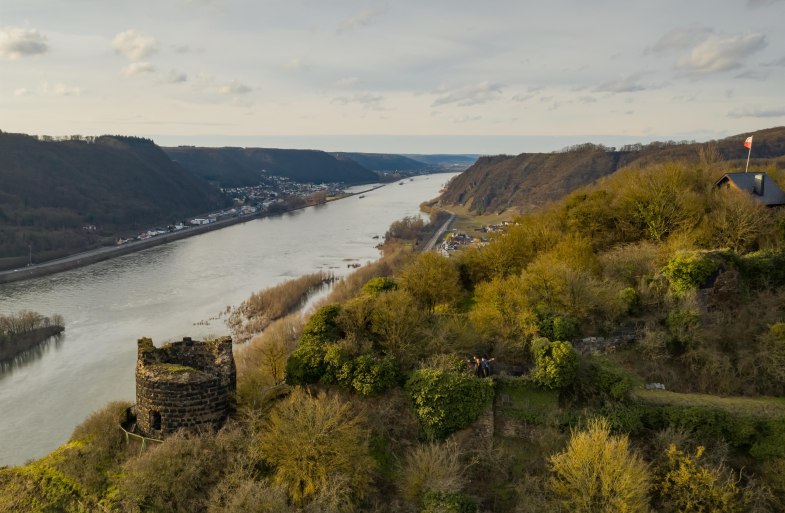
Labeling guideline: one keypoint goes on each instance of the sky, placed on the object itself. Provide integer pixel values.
(426, 76)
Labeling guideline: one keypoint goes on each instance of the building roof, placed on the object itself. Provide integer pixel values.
(759, 185)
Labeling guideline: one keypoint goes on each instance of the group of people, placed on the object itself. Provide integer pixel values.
(482, 366)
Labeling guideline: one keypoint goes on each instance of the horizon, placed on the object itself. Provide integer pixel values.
(388, 77)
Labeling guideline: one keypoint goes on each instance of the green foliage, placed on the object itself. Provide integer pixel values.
(555, 364)
(686, 485)
(558, 327)
(379, 284)
(435, 502)
(447, 401)
(687, 271)
(367, 374)
(432, 279)
(763, 269)
(399, 325)
(610, 381)
(432, 468)
(631, 298)
(323, 327)
(312, 443)
(598, 473)
(306, 363)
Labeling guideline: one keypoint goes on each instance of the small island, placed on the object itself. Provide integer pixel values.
(26, 330)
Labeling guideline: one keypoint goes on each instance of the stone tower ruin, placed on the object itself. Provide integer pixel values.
(184, 385)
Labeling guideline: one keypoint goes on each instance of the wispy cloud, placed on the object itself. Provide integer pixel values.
(175, 77)
(368, 101)
(138, 68)
(297, 65)
(680, 39)
(757, 112)
(624, 84)
(761, 3)
(134, 45)
(59, 89)
(753, 75)
(234, 88)
(721, 53)
(358, 20)
(483, 92)
(22, 91)
(777, 62)
(16, 42)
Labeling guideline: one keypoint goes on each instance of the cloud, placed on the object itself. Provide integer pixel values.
(721, 53)
(347, 81)
(625, 84)
(297, 65)
(234, 88)
(586, 99)
(483, 92)
(22, 91)
(138, 68)
(367, 100)
(757, 112)
(777, 62)
(753, 75)
(134, 45)
(361, 19)
(175, 77)
(761, 3)
(16, 42)
(59, 89)
(680, 39)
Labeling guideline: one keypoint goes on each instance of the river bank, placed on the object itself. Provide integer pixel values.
(98, 255)
(10, 349)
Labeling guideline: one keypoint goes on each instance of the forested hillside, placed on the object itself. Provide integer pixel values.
(387, 162)
(635, 332)
(533, 179)
(62, 196)
(240, 167)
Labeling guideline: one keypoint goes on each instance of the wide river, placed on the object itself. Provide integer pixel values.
(164, 293)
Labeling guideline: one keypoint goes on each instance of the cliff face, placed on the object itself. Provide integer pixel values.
(239, 167)
(533, 179)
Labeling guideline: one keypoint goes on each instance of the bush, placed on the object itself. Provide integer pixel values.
(448, 503)
(687, 271)
(447, 401)
(685, 485)
(598, 473)
(306, 363)
(376, 286)
(610, 381)
(432, 468)
(367, 374)
(555, 364)
(314, 442)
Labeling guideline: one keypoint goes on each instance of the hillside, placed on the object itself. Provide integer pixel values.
(52, 190)
(387, 162)
(533, 179)
(241, 167)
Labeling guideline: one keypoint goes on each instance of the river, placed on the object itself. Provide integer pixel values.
(162, 293)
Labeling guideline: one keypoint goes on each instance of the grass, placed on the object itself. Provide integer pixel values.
(522, 400)
(762, 407)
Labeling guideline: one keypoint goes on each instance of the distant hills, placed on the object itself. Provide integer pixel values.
(59, 197)
(529, 180)
(242, 167)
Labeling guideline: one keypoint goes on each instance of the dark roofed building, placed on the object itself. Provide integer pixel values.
(758, 185)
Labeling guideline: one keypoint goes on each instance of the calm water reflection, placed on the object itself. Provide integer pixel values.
(161, 293)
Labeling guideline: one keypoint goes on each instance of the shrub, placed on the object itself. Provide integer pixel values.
(306, 363)
(367, 374)
(685, 485)
(446, 401)
(610, 381)
(555, 364)
(448, 503)
(431, 279)
(688, 271)
(313, 442)
(598, 473)
(376, 286)
(432, 468)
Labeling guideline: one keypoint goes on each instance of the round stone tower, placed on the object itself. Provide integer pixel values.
(184, 385)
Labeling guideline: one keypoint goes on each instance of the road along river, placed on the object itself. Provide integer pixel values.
(161, 293)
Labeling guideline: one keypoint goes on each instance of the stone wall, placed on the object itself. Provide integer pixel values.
(184, 385)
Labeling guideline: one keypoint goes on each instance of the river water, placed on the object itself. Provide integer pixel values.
(162, 293)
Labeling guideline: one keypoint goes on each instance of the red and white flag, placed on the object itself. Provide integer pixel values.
(748, 142)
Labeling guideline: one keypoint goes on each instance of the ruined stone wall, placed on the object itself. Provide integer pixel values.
(184, 385)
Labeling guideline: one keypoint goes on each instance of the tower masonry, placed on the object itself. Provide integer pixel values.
(185, 384)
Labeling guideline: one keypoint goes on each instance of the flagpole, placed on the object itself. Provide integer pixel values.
(748, 156)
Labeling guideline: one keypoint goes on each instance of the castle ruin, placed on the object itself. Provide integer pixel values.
(185, 384)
